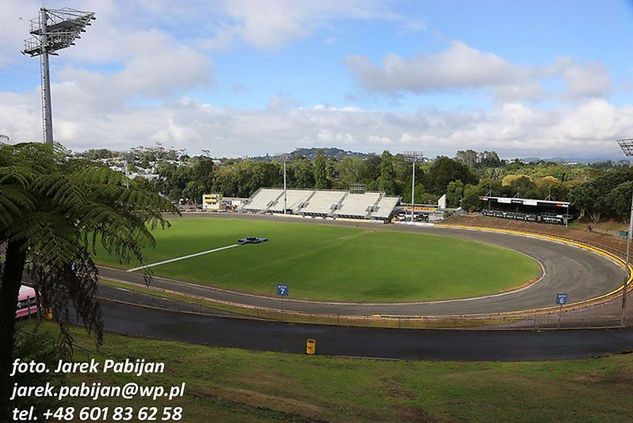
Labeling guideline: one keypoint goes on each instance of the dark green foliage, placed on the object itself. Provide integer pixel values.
(387, 174)
(454, 193)
(40, 347)
(445, 170)
(320, 174)
(182, 177)
(522, 186)
(53, 214)
(619, 199)
(301, 174)
(604, 195)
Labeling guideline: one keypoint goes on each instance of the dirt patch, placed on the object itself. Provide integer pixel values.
(397, 391)
(260, 400)
(601, 240)
(412, 413)
(622, 376)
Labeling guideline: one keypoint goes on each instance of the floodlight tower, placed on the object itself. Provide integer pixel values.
(413, 156)
(285, 157)
(53, 30)
(626, 144)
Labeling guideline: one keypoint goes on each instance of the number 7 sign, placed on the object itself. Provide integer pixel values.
(282, 290)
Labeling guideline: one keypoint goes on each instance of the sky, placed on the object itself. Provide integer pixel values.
(252, 77)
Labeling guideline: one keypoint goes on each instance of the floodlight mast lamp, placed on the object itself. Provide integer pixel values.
(53, 30)
(413, 156)
(626, 144)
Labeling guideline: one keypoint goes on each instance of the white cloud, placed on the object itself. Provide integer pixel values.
(461, 66)
(327, 41)
(585, 129)
(589, 81)
(464, 67)
(271, 24)
(139, 96)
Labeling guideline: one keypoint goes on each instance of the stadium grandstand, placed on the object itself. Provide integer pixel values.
(322, 203)
(528, 210)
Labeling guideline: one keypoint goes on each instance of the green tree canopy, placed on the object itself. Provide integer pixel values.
(53, 213)
(387, 174)
(445, 170)
(320, 172)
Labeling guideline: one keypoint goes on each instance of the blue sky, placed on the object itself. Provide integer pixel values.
(246, 77)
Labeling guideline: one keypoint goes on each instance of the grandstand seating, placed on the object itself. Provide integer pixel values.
(295, 200)
(385, 207)
(337, 204)
(323, 203)
(263, 199)
(358, 205)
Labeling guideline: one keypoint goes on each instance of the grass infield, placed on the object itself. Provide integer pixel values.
(337, 263)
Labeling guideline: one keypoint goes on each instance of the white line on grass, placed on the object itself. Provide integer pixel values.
(183, 257)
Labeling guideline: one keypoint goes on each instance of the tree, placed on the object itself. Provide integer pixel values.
(489, 159)
(203, 172)
(387, 179)
(467, 157)
(351, 170)
(585, 198)
(522, 185)
(619, 200)
(454, 193)
(302, 172)
(445, 170)
(604, 195)
(320, 173)
(421, 196)
(53, 213)
(471, 195)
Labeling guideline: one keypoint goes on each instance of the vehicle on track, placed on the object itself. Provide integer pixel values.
(251, 240)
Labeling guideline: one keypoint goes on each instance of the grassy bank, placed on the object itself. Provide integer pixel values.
(325, 262)
(232, 385)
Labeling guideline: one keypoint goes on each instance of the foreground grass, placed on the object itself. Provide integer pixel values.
(326, 262)
(231, 385)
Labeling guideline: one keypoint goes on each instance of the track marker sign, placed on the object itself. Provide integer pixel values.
(561, 300)
(282, 290)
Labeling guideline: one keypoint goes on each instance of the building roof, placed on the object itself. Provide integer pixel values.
(525, 201)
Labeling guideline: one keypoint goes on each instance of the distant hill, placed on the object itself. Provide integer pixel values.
(310, 153)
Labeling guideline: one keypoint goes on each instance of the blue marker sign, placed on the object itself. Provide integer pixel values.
(561, 299)
(282, 290)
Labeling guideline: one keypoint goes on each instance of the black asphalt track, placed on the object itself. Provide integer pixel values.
(471, 345)
(577, 272)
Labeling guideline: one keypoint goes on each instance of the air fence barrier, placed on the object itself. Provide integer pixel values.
(596, 315)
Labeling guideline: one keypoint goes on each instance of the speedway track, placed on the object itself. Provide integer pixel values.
(578, 272)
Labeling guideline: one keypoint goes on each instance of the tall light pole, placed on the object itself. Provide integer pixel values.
(413, 156)
(626, 145)
(285, 158)
(53, 30)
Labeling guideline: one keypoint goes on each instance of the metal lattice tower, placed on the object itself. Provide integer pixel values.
(53, 30)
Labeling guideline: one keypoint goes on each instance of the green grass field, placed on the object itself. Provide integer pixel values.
(232, 385)
(340, 263)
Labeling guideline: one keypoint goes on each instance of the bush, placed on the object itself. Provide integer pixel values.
(40, 347)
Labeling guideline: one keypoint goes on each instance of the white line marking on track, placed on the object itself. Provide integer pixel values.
(183, 257)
